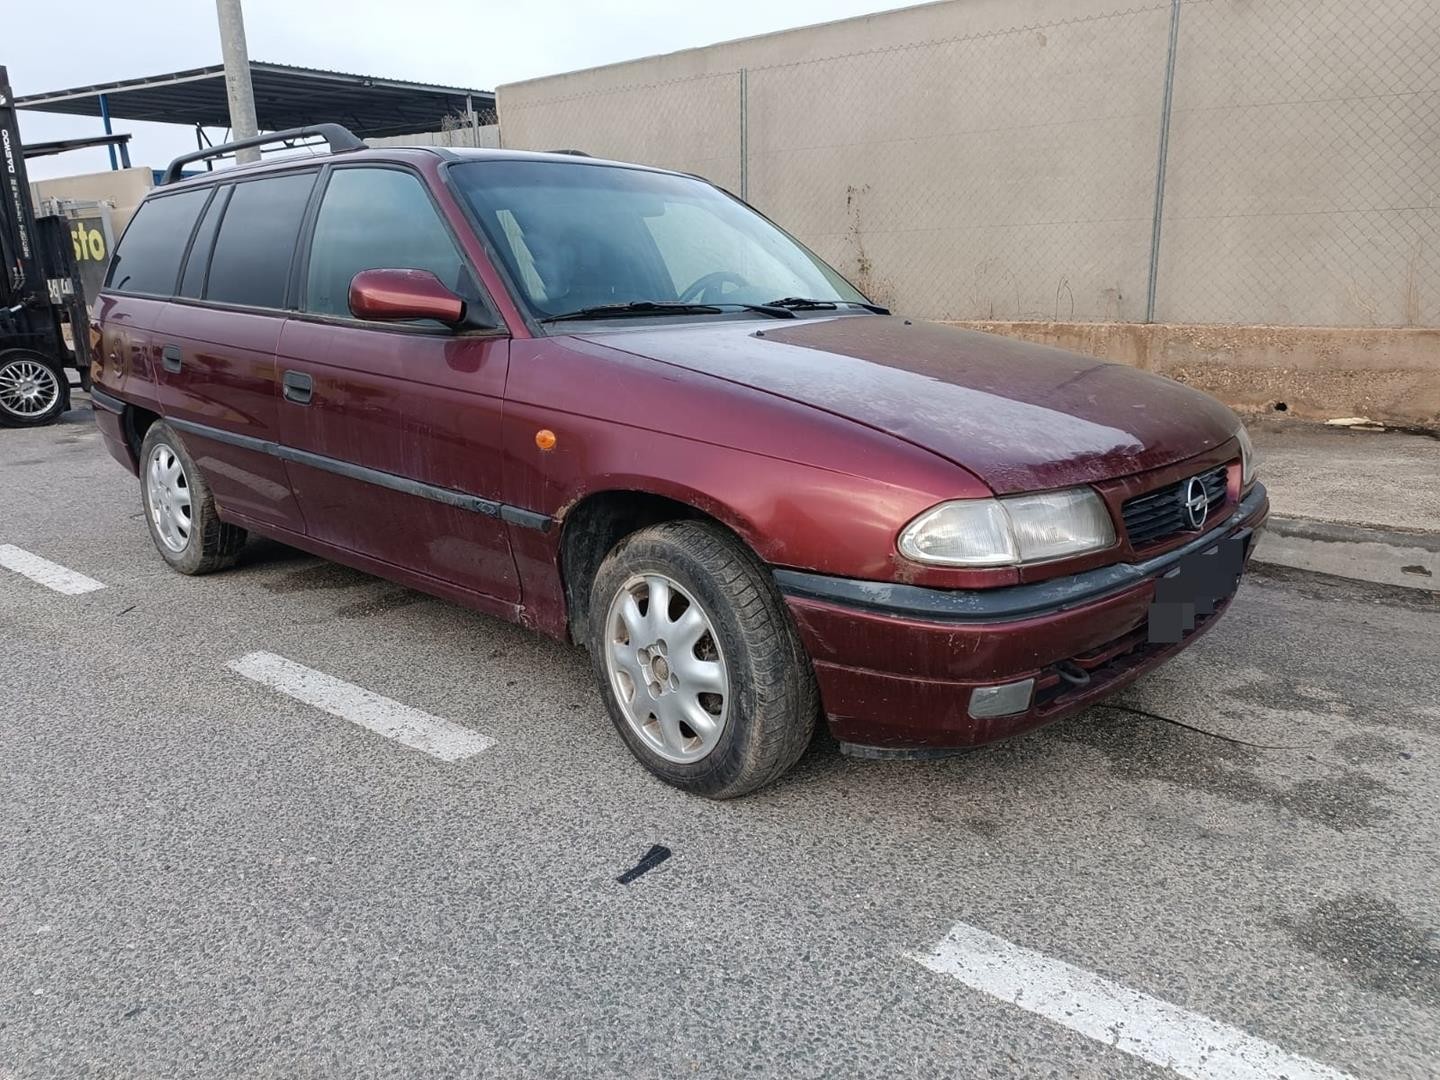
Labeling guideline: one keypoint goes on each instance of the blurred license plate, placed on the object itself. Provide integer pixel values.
(1193, 589)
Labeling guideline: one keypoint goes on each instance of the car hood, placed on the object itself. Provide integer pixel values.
(1022, 417)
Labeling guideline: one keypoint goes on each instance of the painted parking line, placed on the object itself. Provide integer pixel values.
(414, 728)
(51, 575)
(1184, 1042)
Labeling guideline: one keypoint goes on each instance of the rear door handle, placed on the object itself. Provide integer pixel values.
(297, 387)
(171, 357)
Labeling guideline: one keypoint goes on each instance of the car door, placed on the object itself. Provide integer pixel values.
(217, 343)
(392, 431)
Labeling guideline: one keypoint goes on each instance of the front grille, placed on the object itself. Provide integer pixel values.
(1159, 515)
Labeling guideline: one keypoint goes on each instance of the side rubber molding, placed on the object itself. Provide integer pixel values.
(463, 500)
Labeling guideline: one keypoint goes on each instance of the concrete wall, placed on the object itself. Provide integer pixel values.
(1385, 374)
(996, 159)
(1304, 171)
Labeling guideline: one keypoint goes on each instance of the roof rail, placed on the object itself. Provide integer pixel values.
(571, 153)
(339, 138)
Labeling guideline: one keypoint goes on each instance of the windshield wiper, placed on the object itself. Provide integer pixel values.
(641, 308)
(635, 308)
(802, 303)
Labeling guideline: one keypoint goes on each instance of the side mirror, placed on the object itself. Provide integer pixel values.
(392, 295)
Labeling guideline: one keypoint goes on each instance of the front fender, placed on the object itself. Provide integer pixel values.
(805, 489)
(790, 514)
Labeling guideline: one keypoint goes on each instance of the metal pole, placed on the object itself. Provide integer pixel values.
(105, 119)
(744, 135)
(237, 77)
(1161, 159)
(474, 120)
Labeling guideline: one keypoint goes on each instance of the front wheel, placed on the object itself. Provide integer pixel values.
(33, 389)
(179, 508)
(700, 667)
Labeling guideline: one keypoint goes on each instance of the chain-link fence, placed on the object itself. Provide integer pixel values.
(478, 127)
(1199, 161)
(1303, 183)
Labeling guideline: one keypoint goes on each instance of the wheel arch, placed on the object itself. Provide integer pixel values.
(135, 421)
(595, 523)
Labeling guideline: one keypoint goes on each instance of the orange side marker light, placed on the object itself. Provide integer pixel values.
(545, 439)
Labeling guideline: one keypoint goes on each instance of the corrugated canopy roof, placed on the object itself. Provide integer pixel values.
(285, 97)
(60, 146)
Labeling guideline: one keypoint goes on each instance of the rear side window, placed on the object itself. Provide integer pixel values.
(148, 258)
(192, 284)
(372, 219)
(250, 264)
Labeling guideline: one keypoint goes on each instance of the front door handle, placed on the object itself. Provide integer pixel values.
(171, 357)
(297, 387)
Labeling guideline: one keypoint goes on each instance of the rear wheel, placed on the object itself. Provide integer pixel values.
(180, 509)
(33, 388)
(698, 662)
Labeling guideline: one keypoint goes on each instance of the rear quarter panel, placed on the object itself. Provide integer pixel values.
(123, 366)
(127, 368)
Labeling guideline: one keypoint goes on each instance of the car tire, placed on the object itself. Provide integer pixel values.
(180, 509)
(720, 704)
(34, 389)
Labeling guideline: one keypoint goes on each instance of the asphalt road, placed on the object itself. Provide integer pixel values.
(202, 877)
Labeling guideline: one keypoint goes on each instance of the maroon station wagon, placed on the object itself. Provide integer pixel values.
(617, 405)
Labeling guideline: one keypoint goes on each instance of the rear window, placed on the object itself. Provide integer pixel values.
(192, 284)
(250, 264)
(148, 258)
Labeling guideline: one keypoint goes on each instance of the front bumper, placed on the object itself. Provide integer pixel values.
(897, 663)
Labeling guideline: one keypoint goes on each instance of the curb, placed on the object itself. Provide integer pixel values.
(1384, 556)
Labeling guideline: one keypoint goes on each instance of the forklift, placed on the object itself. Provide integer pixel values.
(44, 326)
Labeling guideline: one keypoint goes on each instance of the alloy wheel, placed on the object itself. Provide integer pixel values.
(167, 490)
(666, 668)
(28, 388)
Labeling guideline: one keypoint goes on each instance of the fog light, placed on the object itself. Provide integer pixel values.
(1003, 700)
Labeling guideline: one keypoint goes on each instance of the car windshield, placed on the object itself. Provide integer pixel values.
(576, 236)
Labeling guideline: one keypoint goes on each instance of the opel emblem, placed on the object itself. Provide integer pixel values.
(1197, 502)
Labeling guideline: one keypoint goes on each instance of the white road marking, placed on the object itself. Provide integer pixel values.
(418, 730)
(1185, 1042)
(47, 573)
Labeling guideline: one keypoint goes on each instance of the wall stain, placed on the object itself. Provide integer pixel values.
(1153, 750)
(1374, 944)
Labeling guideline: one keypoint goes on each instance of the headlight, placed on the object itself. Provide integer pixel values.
(1003, 532)
(1248, 461)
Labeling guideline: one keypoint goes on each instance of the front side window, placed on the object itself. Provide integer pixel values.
(373, 219)
(250, 264)
(575, 235)
(148, 259)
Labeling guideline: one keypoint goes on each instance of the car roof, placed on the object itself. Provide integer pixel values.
(412, 154)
